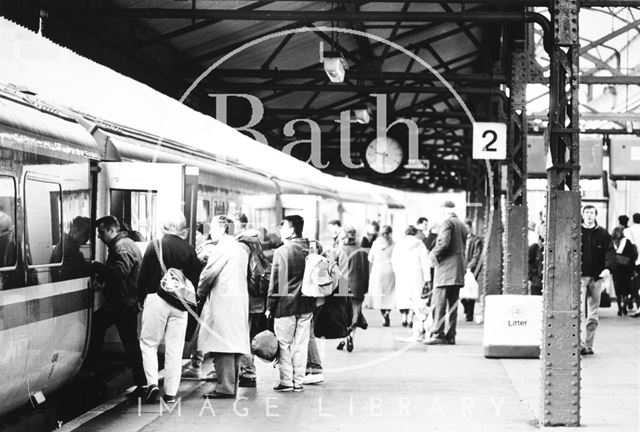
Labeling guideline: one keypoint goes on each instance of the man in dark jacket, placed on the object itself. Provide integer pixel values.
(291, 311)
(120, 275)
(448, 253)
(474, 265)
(598, 261)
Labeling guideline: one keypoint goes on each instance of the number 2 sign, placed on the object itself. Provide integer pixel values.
(489, 141)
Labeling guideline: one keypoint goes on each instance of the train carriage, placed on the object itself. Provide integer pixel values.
(44, 301)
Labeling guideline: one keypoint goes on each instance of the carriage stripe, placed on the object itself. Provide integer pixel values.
(40, 309)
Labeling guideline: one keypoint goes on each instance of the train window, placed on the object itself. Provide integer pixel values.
(137, 209)
(7, 222)
(43, 220)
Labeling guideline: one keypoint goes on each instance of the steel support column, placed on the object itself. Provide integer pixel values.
(515, 233)
(561, 319)
(492, 270)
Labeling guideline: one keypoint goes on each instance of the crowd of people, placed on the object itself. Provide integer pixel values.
(238, 292)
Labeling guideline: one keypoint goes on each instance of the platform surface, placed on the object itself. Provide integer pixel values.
(389, 385)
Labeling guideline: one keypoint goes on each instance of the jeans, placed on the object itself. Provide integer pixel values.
(292, 333)
(160, 319)
(445, 299)
(591, 289)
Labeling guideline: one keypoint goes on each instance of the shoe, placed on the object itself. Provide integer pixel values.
(283, 388)
(169, 399)
(340, 346)
(298, 388)
(620, 312)
(246, 382)
(450, 341)
(211, 376)
(313, 378)
(216, 395)
(411, 324)
(635, 315)
(586, 351)
(468, 319)
(404, 323)
(624, 311)
(191, 373)
(349, 343)
(151, 394)
(387, 322)
(437, 341)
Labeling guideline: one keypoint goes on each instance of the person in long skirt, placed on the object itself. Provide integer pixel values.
(410, 262)
(382, 281)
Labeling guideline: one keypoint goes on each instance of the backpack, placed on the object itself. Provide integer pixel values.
(258, 269)
(321, 276)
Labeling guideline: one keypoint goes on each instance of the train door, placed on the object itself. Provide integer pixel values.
(138, 194)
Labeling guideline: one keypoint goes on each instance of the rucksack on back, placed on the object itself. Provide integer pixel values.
(321, 276)
(258, 270)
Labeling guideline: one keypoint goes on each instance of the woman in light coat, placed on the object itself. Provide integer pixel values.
(224, 329)
(382, 281)
(410, 262)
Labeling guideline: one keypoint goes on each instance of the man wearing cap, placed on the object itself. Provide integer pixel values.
(449, 254)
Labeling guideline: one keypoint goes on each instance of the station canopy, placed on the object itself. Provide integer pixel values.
(169, 44)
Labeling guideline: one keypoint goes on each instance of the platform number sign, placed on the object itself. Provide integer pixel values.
(489, 140)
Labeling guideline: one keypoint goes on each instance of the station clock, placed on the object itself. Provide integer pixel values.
(384, 155)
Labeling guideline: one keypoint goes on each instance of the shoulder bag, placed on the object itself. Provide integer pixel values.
(175, 288)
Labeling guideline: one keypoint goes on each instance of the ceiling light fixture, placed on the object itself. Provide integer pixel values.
(334, 64)
(361, 115)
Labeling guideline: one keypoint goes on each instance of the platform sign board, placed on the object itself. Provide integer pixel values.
(512, 326)
(624, 157)
(489, 140)
(590, 157)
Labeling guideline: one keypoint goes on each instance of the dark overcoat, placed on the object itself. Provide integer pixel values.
(449, 253)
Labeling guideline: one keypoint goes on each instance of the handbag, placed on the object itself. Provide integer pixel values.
(175, 288)
(470, 288)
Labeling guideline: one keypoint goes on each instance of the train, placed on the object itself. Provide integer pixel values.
(59, 165)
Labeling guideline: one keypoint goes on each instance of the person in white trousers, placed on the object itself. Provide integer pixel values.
(164, 316)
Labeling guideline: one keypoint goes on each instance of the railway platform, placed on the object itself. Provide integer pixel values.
(386, 384)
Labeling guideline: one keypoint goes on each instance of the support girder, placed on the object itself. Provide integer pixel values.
(560, 356)
(515, 239)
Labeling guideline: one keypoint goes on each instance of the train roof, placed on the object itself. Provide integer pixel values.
(97, 92)
(61, 132)
(75, 81)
